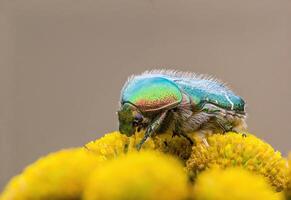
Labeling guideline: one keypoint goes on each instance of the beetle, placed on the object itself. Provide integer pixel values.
(181, 102)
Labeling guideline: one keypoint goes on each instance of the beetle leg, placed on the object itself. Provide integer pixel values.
(175, 134)
(229, 127)
(225, 126)
(213, 111)
(243, 132)
(138, 129)
(152, 128)
(177, 131)
(187, 137)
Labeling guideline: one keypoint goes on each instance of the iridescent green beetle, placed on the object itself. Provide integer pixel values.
(162, 100)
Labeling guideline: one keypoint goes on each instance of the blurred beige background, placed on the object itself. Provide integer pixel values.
(63, 63)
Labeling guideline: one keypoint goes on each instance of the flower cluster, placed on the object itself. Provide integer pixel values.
(234, 150)
(219, 166)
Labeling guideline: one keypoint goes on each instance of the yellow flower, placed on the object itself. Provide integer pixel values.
(232, 184)
(142, 175)
(288, 191)
(232, 150)
(58, 176)
(114, 144)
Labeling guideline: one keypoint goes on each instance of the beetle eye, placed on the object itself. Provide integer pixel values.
(138, 117)
(135, 124)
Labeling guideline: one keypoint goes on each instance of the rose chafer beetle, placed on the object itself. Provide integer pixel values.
(165, 100)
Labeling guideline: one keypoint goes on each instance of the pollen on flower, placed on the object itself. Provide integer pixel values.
(109, 146)
(145, 175)
(60, 175)
(231, 150)
(232, 183)
(114, 144)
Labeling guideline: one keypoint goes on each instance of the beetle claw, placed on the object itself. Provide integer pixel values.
(175, 134)
(138, 129)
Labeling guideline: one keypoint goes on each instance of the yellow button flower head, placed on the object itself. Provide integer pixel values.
(232, 150)
(114, 144)
(232, 184)
(288, 191)
(138, 175)
(58, 176)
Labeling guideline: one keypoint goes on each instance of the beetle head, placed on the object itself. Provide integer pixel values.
(130, 119)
